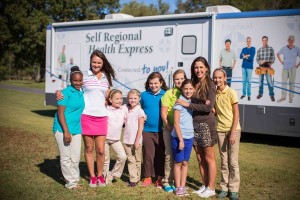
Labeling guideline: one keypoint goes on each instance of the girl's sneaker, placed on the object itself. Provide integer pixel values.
(207, 193)
(184, 192)
(222, 195)
(168, 188)
(201, 189)
(146, 182)
(159, 184)
(93, 182)
(100, 181)
(179, 192)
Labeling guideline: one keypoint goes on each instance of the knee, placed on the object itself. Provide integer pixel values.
(100, 151)
(89, 149)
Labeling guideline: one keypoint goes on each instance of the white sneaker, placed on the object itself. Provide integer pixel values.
(207, 193)
(201, 189)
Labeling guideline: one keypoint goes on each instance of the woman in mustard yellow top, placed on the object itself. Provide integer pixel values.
(229, 133)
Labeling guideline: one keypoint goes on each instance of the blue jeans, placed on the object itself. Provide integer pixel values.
(247, 76)
(270, 84)
(228, 71)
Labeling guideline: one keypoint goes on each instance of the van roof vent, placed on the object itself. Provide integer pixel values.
(222, 9)
(118, 16)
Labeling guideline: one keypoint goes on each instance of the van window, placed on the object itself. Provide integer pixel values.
(189, 44)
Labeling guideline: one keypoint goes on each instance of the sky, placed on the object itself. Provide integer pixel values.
(172, 3)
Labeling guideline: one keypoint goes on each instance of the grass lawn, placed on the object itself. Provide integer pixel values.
(29, 165)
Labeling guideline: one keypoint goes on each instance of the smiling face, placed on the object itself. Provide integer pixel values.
(116, 100)
(96, 64)
(188, 90)
(76, 80)
(155, 85)
(178, 79)
(133, 99)
(200, 70)
(219, 79)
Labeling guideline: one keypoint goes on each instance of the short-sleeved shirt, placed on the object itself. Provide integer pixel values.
(94, 94)
(168, 99)
(132, 124)
(115, 120)
(151, 105)
(224, 101)
(186, 121)
(74, 102)
(290, 56)
(227, 57)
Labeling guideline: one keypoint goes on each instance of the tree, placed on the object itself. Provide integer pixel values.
(23, 26)
(140, 9)
(190, 6)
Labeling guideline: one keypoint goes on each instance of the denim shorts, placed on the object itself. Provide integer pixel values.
(182, 155)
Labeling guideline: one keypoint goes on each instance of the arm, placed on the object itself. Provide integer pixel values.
(236, 116)
(59, 95)
(211, 96)
(272, 59)
(177, 128)
(63, 123)
(139, 132)
(164, 116)
(279, 58)
(252, 54)
(242, 54)
(234, 61)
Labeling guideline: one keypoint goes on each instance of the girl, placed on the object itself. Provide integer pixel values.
(229, 134)
(153, 144)
(96, 85)
(167, 115)
(132, 139)
(67, 129)
(182, 138)
(202, 104)
(116, 115)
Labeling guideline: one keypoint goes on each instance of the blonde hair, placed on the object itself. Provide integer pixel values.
(224, 73)
(111, 94)
(133, 91)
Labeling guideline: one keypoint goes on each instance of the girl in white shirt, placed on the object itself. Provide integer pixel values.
(116, 114)
(134, 125)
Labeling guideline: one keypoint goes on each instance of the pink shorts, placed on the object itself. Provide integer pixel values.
(92, 125)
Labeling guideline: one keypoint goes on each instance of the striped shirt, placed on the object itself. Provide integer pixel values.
(265, 54)
(94, 94)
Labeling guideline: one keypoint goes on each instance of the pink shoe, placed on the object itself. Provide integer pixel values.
(93, 182)
(100, 181)
(146, 182)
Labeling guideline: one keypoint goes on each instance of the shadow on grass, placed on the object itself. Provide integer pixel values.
(51, 168)
(46, 113)
(273, 140)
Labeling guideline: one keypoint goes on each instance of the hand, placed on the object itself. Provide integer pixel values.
(136, 145)
(59, 96)
(181, 145)
(282, 62)
(182, 102)
(207, 102)
(232, 138)
(169, 127)
(67, 137)
(232, 66)
(213, 111)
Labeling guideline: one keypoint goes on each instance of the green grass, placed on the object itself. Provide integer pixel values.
(29, 168)
(25, 83)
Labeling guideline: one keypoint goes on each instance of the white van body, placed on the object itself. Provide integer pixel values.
(137, 46)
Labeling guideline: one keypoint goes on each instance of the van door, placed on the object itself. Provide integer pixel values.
(192, 41)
